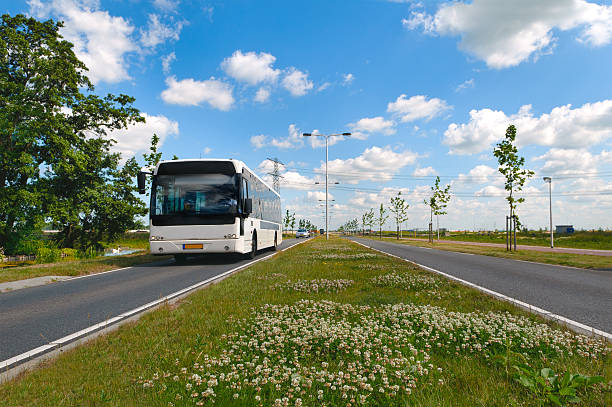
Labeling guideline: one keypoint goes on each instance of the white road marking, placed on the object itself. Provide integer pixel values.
(59, 342)
(573, 325)
(4, 364)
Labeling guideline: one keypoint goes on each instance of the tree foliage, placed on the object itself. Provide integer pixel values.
(510, 166)
(399, 208)
(367, 219)
(382, 218)
(438, 202)
(55, 159)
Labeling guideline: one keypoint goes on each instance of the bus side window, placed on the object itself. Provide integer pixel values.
(245, 191)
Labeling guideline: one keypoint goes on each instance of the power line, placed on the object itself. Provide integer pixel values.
(459, 177)
(466, 194)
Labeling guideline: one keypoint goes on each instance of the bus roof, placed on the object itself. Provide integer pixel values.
(238, 165)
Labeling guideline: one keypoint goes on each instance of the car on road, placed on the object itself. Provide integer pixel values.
(302, 233)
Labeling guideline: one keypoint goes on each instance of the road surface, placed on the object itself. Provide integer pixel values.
(582, 295)
(36, 316)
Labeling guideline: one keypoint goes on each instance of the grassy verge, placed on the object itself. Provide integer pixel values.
(328, 323)
(599, 240)
(75, 267)
(563, 259)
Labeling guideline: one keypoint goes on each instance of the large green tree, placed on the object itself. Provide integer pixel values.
(55, 158)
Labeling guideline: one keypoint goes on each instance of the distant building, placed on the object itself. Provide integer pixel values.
(560, 229)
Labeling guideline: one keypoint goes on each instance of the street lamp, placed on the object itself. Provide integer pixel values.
(548, 180)
(327, 136)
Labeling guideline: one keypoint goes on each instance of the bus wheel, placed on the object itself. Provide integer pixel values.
(180, 258)
(253, 252)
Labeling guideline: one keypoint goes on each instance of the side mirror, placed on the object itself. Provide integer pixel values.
(248, 206)
(141, 182)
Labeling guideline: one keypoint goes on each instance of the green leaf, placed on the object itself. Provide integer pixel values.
(554, 399)
(525, 381)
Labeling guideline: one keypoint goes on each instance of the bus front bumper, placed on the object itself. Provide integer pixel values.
(161, 247)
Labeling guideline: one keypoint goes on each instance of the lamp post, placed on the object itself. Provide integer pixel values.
(327, 136)
(548, 180)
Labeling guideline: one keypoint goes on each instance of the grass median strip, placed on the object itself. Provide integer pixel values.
(562, 259)
(271, 336)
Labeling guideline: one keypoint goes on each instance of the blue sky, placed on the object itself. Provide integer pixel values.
(427, 88)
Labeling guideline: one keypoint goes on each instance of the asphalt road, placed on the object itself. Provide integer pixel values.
(582, 295)
(36, 316)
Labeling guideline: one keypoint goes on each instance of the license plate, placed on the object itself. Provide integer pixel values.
(193, 246)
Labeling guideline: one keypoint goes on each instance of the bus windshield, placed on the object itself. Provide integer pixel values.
(194, 194)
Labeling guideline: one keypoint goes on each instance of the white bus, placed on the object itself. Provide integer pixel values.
(211, 206)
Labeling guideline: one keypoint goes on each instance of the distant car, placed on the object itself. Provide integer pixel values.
(321, 231)
(302, 233)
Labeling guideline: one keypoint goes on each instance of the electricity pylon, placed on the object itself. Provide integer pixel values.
(276, 176)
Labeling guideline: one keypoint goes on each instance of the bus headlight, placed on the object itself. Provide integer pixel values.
(155, 238)
(232, 236)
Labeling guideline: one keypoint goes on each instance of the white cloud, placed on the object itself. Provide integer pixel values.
(372, 125)
(137, 137)
(157, 32)
(100, 40)
(317, 196)
(491, 190)
(424, 172)
(167, 61)
(417, 107)
(480, 174)
(207, 150)
(293, 140)
(367, 200)
(347, 79)
(505, 33)
(323, 86)
(563, 127)
(251, 67)
(297, 82)
(258, 141)
(190, 92)
(262, 95)
(569, 161)
(290, 179)
(467, 84)
(374, 164)
(167, 5)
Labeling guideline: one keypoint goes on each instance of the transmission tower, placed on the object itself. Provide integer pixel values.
(276, 176)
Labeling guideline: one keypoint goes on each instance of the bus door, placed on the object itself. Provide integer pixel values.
(246, 223)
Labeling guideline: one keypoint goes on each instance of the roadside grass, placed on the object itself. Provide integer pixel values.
(76, 267)
(220, 330)
(137, 240)
(564, 259)
(598, 240)
(601, 240)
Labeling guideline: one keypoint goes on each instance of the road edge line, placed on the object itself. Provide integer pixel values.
(101, 328)
(575, 326)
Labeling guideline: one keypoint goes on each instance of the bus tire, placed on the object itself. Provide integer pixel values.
(275, 247)
(180, 258)
(253, 252)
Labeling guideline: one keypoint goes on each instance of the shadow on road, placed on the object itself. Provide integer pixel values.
(208, 259)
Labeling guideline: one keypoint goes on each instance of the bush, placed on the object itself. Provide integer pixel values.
(48, 255)
(68, 253)
(87, 254)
